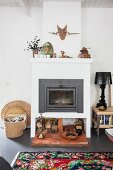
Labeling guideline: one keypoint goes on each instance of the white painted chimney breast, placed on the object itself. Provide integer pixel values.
(60, 68)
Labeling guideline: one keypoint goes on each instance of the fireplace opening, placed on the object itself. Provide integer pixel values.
(60, 95)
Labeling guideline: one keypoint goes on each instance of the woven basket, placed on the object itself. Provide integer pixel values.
(14, 129)
(20, 104)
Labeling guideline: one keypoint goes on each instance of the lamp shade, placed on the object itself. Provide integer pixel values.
(103, 78)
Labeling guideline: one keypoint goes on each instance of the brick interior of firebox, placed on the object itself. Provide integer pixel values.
(56, 138)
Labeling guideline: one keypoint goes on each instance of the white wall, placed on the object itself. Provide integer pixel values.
(61, 14)
(97, 33)
(16, 28)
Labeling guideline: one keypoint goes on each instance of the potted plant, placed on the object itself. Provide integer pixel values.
(34, 46)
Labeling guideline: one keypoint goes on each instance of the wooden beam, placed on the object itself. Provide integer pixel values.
(27, 5)
(20, 3)
(39, 3)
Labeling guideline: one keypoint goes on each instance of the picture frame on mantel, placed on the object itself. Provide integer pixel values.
(112, 91)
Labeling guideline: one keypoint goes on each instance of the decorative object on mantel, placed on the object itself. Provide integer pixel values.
(84, 53)
(63, 55)
(54, 55)
(102, 79)
(47, 49)
(62, 32)
(34, 46)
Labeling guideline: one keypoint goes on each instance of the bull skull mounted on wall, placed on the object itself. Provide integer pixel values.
(62, 32)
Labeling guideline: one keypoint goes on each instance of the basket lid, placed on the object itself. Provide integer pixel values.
(17, 107)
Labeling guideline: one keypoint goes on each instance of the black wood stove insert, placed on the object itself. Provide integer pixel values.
(61, 95)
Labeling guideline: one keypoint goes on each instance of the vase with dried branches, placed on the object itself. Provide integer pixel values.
(34, 46)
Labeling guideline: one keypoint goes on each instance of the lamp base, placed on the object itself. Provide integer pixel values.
(101, 107)
(102, 103)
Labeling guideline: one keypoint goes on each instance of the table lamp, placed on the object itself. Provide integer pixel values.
(102, 78)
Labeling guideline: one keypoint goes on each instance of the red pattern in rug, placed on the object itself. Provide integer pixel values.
(63, 161)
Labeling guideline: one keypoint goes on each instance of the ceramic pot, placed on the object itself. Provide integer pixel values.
(35, 51)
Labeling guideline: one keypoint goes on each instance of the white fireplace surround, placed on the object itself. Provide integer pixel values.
(61, 68)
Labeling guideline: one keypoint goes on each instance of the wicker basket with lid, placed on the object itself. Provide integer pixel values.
(15, 128)
(14, 109)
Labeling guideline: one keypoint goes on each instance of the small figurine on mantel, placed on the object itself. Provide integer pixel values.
(54, 55)
(63, 55)
(84, 53)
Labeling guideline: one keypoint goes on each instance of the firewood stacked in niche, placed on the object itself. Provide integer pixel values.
(46, 125)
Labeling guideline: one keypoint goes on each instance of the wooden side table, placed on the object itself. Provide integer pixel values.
(102, 119)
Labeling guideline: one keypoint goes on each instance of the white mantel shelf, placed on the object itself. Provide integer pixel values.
(61, 60)
(63, 115)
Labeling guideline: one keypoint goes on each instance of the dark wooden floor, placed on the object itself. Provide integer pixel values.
(10, 147)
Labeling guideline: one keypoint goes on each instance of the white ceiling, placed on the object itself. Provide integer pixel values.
(34, 3)
(97, 3)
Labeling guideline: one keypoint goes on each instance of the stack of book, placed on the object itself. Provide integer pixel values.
(109, 133)
(106, 120)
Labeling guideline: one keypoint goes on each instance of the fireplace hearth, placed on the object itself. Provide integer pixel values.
(61, 95)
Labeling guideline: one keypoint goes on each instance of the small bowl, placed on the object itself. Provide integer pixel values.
(70, 135)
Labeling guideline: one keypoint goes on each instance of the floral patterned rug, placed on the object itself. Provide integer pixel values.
(64, 161)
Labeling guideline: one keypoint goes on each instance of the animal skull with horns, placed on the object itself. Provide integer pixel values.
(62, 32)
